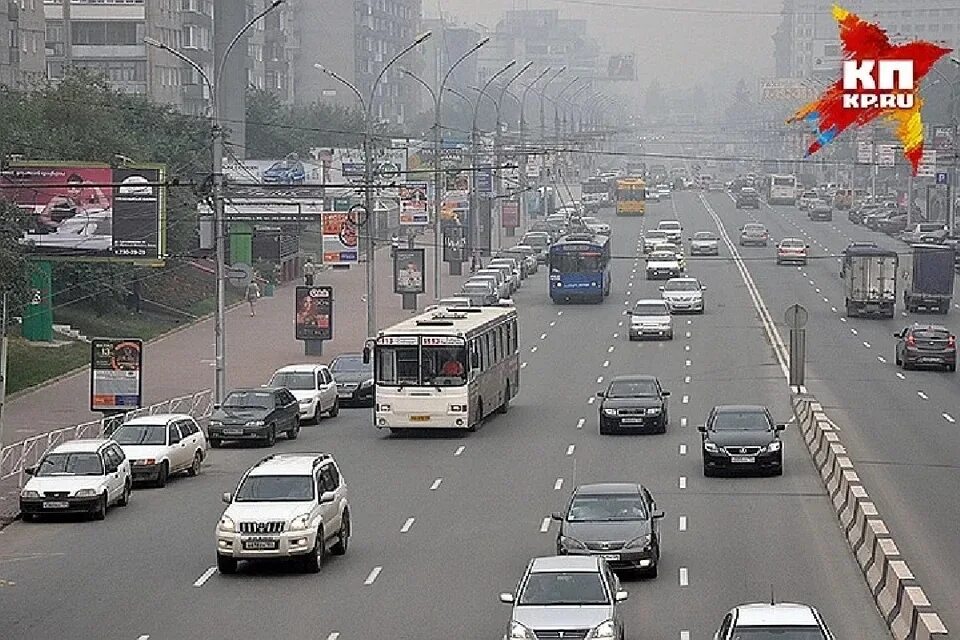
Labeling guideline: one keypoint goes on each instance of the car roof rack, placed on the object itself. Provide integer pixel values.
(319, 456)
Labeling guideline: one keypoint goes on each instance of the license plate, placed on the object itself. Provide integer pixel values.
(419, 418)
(344, 394)
(259, 545)
(743, 459)
(611, 556)
(233, 432)
(55, 504)
(633, 420)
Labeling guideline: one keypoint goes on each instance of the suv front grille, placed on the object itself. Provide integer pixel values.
(566, 634)
(262, 527)
(631, 412)
(743, 451)
(605, 546)
(56, 494)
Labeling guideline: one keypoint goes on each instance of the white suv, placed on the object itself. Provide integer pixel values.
(80, 476)
(162, 444)
(291, 505)
(773, 620)
(313, 386)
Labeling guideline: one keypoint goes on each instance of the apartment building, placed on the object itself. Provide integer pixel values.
(21, 43)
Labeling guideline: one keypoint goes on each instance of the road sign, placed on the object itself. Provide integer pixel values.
(886, 154)
(928, 164)
(239, 274)
(865, 152)
(796, 316)
(943, 177)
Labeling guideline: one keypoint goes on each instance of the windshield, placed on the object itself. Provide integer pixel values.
(778, 633)
(275, 489)
(784, 182)
(682, 285)
(663, 256)
(606, 508)
(931, 334)
(421, 366)
(551, 589)
(651, 310)
(741, 421)
(70, 464)
(753, 227)
(249, 399)
(536, 241)
(294, 380)
(350, 364)
(141, 434)
(669, 226)
(582, 262)
(632, 388)
(704, 235)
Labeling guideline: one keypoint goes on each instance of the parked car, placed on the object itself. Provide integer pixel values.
(313, 386)
(633, 403)
(704, 243)
(683, 294)
(773, 620)
(923, 345)
(255, 414)
(512, 267)
(503, 286)
(160, 445)
(737, 437)
(482, 290)
(355, 386)
(79, 476)
(650, 318)
(894, 225)
(754, 233)
(792, 250)
(925, 232)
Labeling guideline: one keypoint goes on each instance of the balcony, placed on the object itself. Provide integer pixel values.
(13, 11)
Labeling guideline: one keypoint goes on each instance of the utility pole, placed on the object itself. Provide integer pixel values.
(3, 361)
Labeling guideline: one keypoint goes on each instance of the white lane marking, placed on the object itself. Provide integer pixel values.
(688, 334)
(686, 363)
(901, 376)
(523, 365)
(545, 525)
(620, 324)
(553, 323)
(684, 577)
(842, 319)
(406, 525)
(336, 635)
(683, 482)
(683, 421)
(866, 344)
(204, 577)
(599, 379)
(684, 635)
(683, 449)
(827, 300)
(590, 400)
(610, 349)
(533, 349)
(686, 347)
(881, 359)
(684, 399)
(606, 363)
(922, 395)
(818, 290)
(686, 380)
(143, 637)
(543, 336)
(436, 484)
(853, 331)
(683, 523)
(580, 423)
(571, 449)
(616, 335)
(558, 484)
(626, 302)
(373, 575)
(559, 313)
(689, 321)
(949, 418)
(834, 309)
(459, 450)
(811, 282)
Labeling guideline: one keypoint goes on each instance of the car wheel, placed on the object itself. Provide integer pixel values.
(473, 427)
(505, 407)
(28, 517)
(663, 425)
(907, 364)
(343, 537)
(651, 572)
(162, 475)
(125, 496)
(294, 432)
(216, 443)
(194, 469)
(314, 560)
(335, 409)
(226, 565)
(778, 470)
(271, 436)
(101, 511)
(603, 430)
(707, 471)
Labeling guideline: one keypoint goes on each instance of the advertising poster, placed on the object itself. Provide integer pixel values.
(414, 205)
(408, 271)
(339, 238)
(485, 180)
(454, 243)
(115, 367)
(938, 202)
(89, 212)
(621, 67)
(510, 214)
(313, 318)
(943, 138)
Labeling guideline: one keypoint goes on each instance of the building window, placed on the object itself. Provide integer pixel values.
(106, 33)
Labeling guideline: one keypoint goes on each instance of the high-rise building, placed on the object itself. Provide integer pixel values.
(21, 43)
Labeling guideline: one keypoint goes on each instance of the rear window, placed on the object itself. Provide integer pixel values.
(931, 334)
(793, 243)
(931, 227)
(704, 235)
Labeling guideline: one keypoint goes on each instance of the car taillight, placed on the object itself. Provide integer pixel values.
(911, 341)
(952, 342)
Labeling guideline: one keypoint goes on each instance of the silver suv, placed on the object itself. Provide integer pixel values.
(289, 505)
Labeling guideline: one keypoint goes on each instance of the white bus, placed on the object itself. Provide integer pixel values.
(446, 369)
(782, 190)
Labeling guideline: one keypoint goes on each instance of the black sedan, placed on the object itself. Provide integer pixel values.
(633, 403)
(741, 437)
(255, 414)
(354, 380)
(926, 345)
(616, 520)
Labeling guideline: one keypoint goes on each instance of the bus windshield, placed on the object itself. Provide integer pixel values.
(580, 262)
(402, 366)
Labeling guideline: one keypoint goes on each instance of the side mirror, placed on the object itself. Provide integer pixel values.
(30, 471)
(601, 394)
(897, 335)
(216, 406)
(661, 288)
(807, 246)
(703, 287)
(657, 515)
(113, 468)
(621, 596)
(556, 515)
(665, 394)
(327, 497)
(702, 428)
(780, 427)
(227, 498)
(628, 312)
(506, 598)
(366, 355)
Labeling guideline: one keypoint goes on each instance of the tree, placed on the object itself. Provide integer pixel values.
(275, 129)
(13, 262)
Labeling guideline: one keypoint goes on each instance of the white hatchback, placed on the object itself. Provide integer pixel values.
(162, 444)
(313, 386)
(650, 318)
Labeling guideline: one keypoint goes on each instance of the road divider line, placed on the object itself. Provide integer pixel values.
(533, 349)
(373, 575)
(949, 418)
(335, 635)
(406, 525)
(684, 635)
(684, 399)
(684, 577)
(683, 449)
(143, 637)
(599, 379)
(882, 359)
(553, 323)
(606, 363)
(683, 523)
(866, 344)
(616, 335)
(206, 575)
(436, 484)
(459, 450)
(687, 363)
(683, 421)
(901, 376)
(853, 331)
(591, 399)
(922, 395)
(580, 423)
(683, 482)
(558, 484)
(545, 525)
(570, 449)
(842, 319)
(543, 336)
(559, 313)
(834, 309)
(688, 334)
(610, 349)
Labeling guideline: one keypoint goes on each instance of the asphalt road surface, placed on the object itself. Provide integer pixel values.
(443, 523)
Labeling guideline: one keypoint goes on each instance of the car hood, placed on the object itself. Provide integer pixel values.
(741, 438)
(303, 394)
(145, 451)
(64, 483)
(681, 295)
(620, 403)
(663, 264)
(239, 414)
(266, 511)
(664, 319)
(352, 377)
(606, 531)
(562, 617)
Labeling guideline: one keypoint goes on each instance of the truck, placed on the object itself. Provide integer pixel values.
(869, 281)
(931, 278)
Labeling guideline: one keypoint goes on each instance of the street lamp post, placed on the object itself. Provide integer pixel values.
(954, 123)
(475, 139)
(523, 145)
(369, 206)
(219, 225)
(543, 93)
(498, 146)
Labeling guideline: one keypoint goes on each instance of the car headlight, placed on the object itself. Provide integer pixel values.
(709, 447)
(653, 411)
(300, 523)
(609, 412)
(774, 446)
(226, 524)
(254, 423)
(383, 407)
(603, 631)
(307, 400)
(85, 493)
(367, 383)
(571, 543)
(215, 423)
(520, 632)
(639, 542)
(29, 493)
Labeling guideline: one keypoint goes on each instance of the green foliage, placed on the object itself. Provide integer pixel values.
(275, 129)
(13, 264)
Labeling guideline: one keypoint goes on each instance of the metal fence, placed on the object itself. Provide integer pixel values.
(18, 456)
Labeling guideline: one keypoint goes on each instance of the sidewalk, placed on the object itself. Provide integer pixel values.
(181, 363)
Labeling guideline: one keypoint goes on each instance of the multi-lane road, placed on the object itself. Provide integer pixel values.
(443, 523)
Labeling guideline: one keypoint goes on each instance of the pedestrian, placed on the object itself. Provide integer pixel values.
(251, 295)
(309, 270)
(476, 263)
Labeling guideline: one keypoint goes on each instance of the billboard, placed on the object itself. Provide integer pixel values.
(115, 367)
(339, 238)
(621, 67)
(313, 316)
(938, 202)
(414, 204)
(289, 171)
(484, 179)
(90, 212)
(943, 138)
(408, 271)
(510, 214)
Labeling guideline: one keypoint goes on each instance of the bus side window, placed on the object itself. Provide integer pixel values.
(487, 352)
(501, 351)
(516, 336)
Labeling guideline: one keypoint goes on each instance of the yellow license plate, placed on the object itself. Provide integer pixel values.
(419, 418)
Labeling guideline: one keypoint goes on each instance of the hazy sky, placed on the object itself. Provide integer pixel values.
(681, 42)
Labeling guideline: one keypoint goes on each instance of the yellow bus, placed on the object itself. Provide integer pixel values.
(631, 194)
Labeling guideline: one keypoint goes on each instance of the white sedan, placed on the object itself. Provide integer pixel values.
(161, 445)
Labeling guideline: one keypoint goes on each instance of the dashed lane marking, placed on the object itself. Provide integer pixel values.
(533, 349)
(853, 331)
(545, 525)
(590, 400)
(686, 380)
(543, 336)
(559, 313)
(686, 347)
(558, 484)
(406, 525)
(143, 637)
(684, 577)
(683, 482)
(373, 575)
(683, 523)
(599, 379)
(553, 323)
(842, 319)
(683, 449)
(922, 395)
(523, 365)
(901, 376)
(684, 635)
(336, 636)
(459, 450)
(827, 300)
(882, 359)
(571, 449)
(610, 349)
(580, 423)
(606, 363)
(684, 399)
(687, 363)
(206, 575)
(683, 421)
(616, 335)
(436, 484)
(688, 335)
(866, 344)
(834, 309)
(949, 418)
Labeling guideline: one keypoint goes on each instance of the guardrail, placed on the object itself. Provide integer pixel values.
(16, 457)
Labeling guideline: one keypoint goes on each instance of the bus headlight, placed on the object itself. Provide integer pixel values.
(383, 407)
(458, 408)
